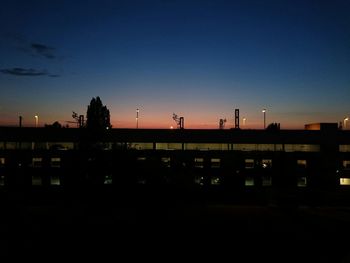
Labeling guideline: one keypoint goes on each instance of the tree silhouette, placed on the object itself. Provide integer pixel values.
(98, 117)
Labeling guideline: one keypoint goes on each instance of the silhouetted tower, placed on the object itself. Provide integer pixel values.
(222, 124)
(236, 118)
(20, 121)
(79, 120)
(179, 121)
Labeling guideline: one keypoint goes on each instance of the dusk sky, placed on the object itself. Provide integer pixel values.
(198, 59)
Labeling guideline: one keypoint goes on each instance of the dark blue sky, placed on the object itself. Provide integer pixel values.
(199, 59)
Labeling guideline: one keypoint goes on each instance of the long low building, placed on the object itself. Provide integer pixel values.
(315, 158)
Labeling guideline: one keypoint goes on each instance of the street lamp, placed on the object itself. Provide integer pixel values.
(36, 120)
(137, 118)
(264, 111)
(345, 120)
(244, 119)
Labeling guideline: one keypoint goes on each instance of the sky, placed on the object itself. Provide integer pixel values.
(198, 59)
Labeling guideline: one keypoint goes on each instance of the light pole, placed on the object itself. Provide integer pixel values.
(264, 112)
(137, 118)
(36, 120)
(345, 120)
(244, 119)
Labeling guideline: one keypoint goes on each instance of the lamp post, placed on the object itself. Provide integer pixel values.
(137, 118)
(264, 112)
(345, 120)
(244, 120)
(36, 120)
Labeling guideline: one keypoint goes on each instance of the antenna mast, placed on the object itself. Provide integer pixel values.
(179, 121)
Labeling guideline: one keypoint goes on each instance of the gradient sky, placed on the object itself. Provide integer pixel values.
(199, 59)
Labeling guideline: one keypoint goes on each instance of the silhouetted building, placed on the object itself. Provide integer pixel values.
(216, 159)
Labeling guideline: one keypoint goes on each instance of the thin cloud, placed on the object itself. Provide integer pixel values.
(27, 72)
(43, 50)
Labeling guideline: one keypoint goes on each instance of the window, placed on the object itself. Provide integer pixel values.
(249, 163)
(141, 159)
(215, 162)
(302, 147)
(207, 146)
(249, 181)
(168, 146)
(55, 180)
(10, 145)
(36, 180)
(346, 164)
(344, 181)
(301, 163)
(2, 161)
(141, 145)
(37, 162)
(166, 161)
(199, 180)
(266, 163)
(56, 162)
(266, 181)
(302, 182)
(198, 162)
(215, 180)
(257, 147)
(60, 145)
(344, 148)
(108, 179)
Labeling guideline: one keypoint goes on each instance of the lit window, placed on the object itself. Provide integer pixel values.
(302, 182)
(266, 163)
(215, 180)
(301, 163)
(302, 147)
(346, 164)
(55, 180)
(207, 146)
(199, 180)
(249, 181)
(344, 181)
(37, 162)
(141, 159)
(169, 146)
(344, 148)
(2, 161)
(141, 145)
(249, 163)
(215, 163)
(36, 180)
(108, 179)
(56, 162)
(198, 162)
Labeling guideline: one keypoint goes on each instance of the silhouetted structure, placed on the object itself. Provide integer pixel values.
(79, 120)
(236, 118)
(273, 127)
(229, 161)
(180, 121)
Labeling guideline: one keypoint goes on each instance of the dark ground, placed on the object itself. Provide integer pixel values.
(156, 227)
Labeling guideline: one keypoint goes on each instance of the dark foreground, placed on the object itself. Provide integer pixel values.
(150, 226)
